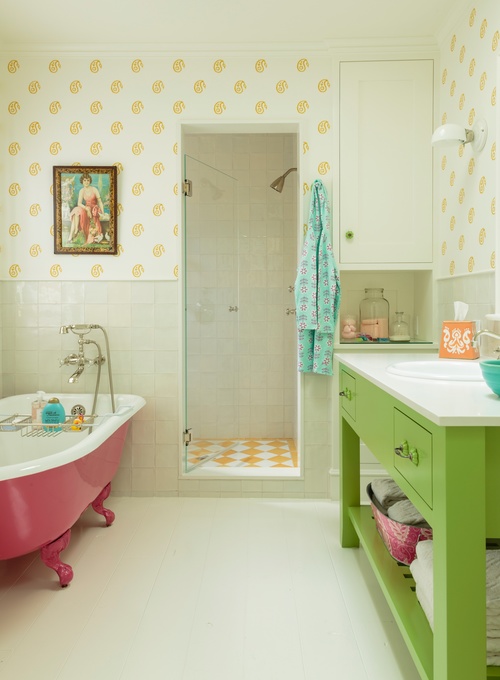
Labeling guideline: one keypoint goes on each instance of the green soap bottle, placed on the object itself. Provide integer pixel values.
(53, 414)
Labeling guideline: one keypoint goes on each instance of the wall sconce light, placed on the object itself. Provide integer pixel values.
(451, 134)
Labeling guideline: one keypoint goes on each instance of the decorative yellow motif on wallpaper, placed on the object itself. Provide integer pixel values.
(453, 87)
(54, 65)
(461, 242)
(219, 107)
(462, 54)
(54, 148)
(158, 127)
(323, 127)
(34, 127)
(302, 65)
(453, 43)
(158, 250)
(482, 80)
(137, 271)
(116, 127)
(35, 250)
(14, 148)
(96, 107)
(75, 127)
(281, 86)
(471, 215)
(461, 103)
(137, 148)
(323, 167)
(55, 107)
(240, 86)
(493, 260)
(199, 86)
(95, 66)
(158, 86)
(14, 270)
(137, 107)
(482, 30)
(116, 86)
(452, 178)
(96, 271)
(482, 185)
(470, 264)
(482, 236)
(34, 87)
(302, 106)
(176, 189)
(175, 148)
(471, 166)
(14, 189)
(137, 229)
(176, 230)
(118, 166)
(35, 209)
(119, 250)
(137, 65)
(178, 65)
(444, 203)
(472, 17)
(137, 188)
(443, 248)
(461, 196)
(493, 154)
(323, 85)
(493, 206)
(443, 163)
(14, 107)
(260, 107)
(95, 148)
(158, 209)
(14, 229)
(472, 115)
(452, 267)
(119, 208)
(219, 65)
(444, 76)
(305, 188)
(494, 42)
(158, 168)
(75, 87)
(13, 66)
(260, 65)
(453, 222)
(179, 106)
(444, 118)
(305, 147)
(472, 66)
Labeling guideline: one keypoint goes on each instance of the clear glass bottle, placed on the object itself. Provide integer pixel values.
(400, 331)
(374, 315)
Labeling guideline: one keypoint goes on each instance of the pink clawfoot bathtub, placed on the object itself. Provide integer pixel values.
(47, 479)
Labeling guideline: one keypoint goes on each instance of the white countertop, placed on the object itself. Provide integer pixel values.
(442, 402)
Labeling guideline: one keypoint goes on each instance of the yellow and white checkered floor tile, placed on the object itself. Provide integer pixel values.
(260, 453)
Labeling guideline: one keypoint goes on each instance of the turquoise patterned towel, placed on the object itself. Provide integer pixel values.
(317, 289)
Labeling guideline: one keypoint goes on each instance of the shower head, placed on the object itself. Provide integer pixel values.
(279, 183)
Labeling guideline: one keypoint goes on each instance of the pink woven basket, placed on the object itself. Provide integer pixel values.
(399, 539)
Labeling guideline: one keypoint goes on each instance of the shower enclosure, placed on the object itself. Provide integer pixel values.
(240, 257)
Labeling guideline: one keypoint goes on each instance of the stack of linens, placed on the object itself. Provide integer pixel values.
(395, 503)
(422, 571)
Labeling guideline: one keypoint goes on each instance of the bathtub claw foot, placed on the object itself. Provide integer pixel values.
(50, 557)
(98, 506)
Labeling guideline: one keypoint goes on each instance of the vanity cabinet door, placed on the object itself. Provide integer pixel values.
(348, 393)
(413, 454)
(386, 123)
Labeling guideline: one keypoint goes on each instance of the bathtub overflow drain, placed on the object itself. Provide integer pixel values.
(78, 410)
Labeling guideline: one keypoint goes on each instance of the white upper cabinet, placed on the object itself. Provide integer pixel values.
(386, 123)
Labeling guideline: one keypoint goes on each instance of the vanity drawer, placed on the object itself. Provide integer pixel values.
(348, 393)
(413, 454)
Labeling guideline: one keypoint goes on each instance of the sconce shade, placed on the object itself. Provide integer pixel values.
(451, 134)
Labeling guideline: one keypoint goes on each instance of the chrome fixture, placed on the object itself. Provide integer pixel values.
(451, 134)
(80, 360)
(279, 183)
(476, 341)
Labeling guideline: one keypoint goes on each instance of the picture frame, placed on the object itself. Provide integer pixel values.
(85, 210)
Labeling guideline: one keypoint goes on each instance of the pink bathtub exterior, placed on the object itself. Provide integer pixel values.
(38, 508)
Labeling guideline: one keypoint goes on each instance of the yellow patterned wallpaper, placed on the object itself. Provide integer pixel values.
(466, 180)
(125, 111)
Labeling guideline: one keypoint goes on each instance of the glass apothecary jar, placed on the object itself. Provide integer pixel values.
(374, 315)
(400, 331)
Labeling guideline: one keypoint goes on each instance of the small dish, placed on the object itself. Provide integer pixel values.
(490, 368)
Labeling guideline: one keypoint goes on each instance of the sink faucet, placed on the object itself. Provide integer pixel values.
(477, 336)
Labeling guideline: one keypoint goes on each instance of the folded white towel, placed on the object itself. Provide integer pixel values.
(386, 491)
(425, 603)
(405, 512)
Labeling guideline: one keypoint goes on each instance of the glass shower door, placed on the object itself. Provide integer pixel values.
(211, 306)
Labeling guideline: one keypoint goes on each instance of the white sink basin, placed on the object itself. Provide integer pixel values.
(438, 369)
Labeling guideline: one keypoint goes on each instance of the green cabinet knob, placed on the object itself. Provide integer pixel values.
(349, 235)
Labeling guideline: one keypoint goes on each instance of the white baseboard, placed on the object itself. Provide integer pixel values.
(366, 475)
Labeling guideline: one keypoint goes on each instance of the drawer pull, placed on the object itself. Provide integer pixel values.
(404, 451)
(346, 393)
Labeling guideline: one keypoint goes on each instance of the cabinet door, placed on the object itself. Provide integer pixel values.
(386, 119)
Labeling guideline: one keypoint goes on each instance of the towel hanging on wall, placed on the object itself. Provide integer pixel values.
(317, 289)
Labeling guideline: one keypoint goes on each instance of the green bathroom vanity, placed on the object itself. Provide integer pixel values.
(452, 430)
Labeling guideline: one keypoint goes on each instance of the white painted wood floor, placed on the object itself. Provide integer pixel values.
(201, 589)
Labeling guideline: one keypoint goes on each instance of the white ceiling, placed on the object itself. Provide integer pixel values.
(198, 24)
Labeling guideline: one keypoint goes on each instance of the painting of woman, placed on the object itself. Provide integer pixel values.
(87, 214)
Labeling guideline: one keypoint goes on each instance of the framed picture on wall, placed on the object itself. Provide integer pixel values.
(85, 210)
